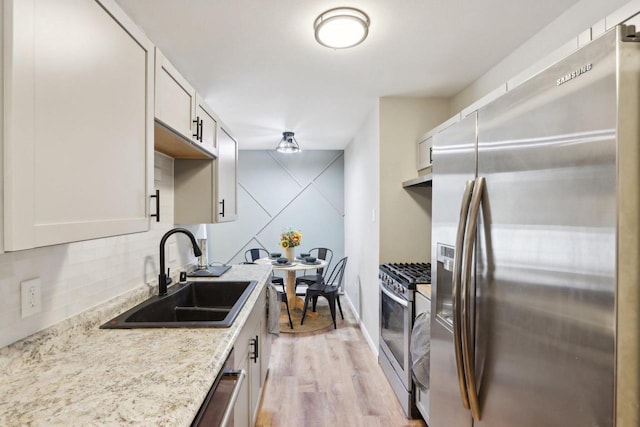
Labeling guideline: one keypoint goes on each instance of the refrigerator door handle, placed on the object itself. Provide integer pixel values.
(467, 318)
(455, 292)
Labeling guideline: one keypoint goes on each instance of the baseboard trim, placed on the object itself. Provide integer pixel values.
(367, 337)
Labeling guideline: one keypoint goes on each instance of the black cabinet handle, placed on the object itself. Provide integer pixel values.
(430, 155)
(198, 135)
(222, 211)
(157, 214)
(196, 122)
(256, 350)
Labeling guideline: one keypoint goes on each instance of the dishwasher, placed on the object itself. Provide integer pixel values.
(217, 408)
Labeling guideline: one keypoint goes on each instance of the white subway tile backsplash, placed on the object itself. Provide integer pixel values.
(80, 275)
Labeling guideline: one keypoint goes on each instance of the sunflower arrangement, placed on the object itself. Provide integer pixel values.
(290, 238)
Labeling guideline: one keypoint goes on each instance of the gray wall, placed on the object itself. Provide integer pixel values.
(304, 191)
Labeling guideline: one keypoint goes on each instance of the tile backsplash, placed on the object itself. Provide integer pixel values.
(80, 275)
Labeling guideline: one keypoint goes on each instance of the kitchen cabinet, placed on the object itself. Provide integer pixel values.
(78, 95)
(205, 190)
(175, 98)
(423, 305)
(251, 353)
(425, 157)
(185, 126)
(227, 173)
(206, 125)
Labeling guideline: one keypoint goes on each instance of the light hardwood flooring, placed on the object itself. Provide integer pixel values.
(329, 378)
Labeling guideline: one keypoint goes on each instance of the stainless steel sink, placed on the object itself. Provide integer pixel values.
(201, 304)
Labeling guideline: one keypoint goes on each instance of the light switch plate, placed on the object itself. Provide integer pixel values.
(31, 291)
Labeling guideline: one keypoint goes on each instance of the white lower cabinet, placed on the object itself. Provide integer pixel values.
(78, 105)
(252, 350)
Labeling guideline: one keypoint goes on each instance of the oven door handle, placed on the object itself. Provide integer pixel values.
(395, 298)
(455, 292)
(467, 319)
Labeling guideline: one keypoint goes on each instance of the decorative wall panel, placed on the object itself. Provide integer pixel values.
(304, 191)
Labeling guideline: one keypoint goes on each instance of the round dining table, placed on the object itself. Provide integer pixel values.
(290, 280)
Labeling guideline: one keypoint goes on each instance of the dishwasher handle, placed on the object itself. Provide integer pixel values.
(239, 376)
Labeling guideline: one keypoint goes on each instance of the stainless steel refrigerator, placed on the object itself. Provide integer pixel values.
(536, 212)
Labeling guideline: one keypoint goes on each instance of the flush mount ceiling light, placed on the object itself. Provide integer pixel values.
(341, 27)
(288, 144)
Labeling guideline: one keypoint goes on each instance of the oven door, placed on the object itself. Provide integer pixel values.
(395, 332)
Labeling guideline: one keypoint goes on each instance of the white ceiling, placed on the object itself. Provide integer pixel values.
(257, 63)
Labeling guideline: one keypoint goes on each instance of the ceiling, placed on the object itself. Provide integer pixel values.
(257, 63)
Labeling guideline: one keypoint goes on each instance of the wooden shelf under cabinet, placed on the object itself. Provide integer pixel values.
(174, 145)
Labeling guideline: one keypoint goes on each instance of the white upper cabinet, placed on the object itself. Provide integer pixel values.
(78, 122)
(175, 98)
(425, 155)
(205, 190)
(186, 127)
(227, 174)
(206, 125)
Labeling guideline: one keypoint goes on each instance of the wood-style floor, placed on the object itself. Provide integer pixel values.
(330, 378)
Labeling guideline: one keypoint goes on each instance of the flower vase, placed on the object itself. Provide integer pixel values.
(289, 254)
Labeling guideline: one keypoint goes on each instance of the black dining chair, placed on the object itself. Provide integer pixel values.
(255, 253)
(251, 255)
(328, 289)
(303, 282)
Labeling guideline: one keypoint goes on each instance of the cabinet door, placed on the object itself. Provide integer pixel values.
(79, 139)
(175, 98)
(208, 125)
(425, 157)
(241, 410)
(227, 174)
(265, 353)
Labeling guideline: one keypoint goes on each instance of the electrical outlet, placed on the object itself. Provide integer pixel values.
(31, 297)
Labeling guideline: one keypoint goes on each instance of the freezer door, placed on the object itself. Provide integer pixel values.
(454, 163)
(545, 267)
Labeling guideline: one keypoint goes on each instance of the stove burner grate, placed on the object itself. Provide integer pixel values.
(409, 273)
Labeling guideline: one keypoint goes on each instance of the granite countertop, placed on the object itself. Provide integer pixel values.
(424, 290)
(77, 374)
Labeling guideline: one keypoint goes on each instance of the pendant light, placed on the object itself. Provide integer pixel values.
(341, 27)
(288, 144)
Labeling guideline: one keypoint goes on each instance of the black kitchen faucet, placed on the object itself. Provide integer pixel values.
(163, 281)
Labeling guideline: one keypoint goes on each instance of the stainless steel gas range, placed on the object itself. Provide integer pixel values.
(398, 283)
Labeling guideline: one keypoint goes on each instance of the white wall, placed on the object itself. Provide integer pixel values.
(304, 191)
(568, 25)
(78, 276)
(405, 214)
(362, 235)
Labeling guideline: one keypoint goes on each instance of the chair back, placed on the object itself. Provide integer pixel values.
(324, 254)
(253, 254)
(337, 274)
